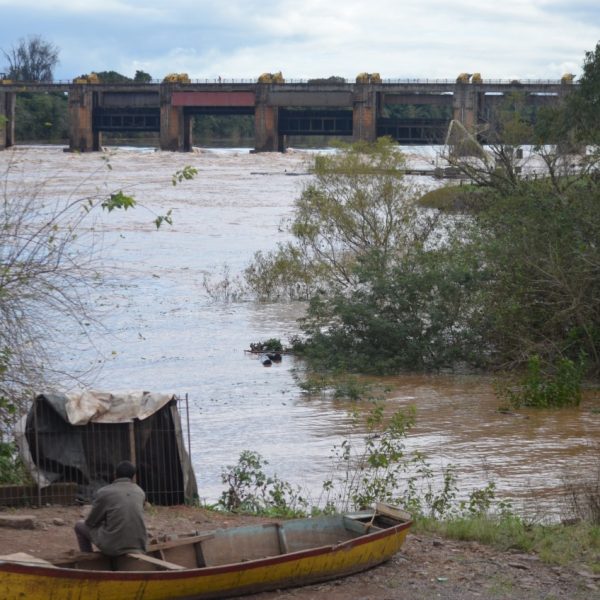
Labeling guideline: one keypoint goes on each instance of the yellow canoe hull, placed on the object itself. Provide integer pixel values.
(41, 582)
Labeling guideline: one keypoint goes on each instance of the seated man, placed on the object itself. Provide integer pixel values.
(116, 521)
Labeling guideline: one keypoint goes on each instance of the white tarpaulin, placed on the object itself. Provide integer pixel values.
(104, 407)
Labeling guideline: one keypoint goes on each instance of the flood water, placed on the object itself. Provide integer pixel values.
(165, 333)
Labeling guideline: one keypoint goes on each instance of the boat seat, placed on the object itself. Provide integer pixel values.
(130, 561)
(24, 558)
(162, 564)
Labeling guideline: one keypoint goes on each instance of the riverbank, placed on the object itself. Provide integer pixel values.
(429, 566)
(162, 331)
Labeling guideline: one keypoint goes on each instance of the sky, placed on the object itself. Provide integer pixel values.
(235, 39)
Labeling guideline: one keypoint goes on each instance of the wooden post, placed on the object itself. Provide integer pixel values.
(132, 453)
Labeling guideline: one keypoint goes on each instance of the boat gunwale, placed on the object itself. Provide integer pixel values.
(72, 573)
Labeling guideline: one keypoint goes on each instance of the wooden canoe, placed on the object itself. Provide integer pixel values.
(217, 564)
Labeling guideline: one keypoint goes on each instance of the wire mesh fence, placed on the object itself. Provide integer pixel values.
(56, 462)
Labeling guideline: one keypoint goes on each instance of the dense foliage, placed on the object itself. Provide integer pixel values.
(517, 275)
(358, 207)
(509, 278)
(41, 117)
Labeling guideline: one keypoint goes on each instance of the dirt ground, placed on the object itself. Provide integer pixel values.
(427, 567)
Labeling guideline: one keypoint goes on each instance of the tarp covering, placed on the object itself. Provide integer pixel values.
(104, 407)
(81, 437)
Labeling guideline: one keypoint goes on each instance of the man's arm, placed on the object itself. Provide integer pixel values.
(98, 512)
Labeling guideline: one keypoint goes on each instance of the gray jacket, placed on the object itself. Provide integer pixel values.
(116, 520)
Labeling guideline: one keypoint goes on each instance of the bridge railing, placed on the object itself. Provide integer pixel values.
(223, 80)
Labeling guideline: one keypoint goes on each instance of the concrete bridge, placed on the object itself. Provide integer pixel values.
(354, 111)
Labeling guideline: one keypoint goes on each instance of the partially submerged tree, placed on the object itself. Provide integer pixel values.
(32, 59)
(358, 201)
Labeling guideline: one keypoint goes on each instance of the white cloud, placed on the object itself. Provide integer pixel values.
(419, 38)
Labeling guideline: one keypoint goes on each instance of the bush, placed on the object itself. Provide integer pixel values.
(548, 386)
(251, 490)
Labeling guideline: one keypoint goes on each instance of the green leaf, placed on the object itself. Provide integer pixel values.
(188, 172)
(163, 219)
(118, 200)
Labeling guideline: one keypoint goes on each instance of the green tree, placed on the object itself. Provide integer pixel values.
(41, 117)
(213, 127)
(112, 77)
(32, 59)
(142, 77)
(413, 315)
(358, 202)
(583, 105)
(540, 250)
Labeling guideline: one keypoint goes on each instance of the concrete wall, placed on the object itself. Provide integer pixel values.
(366, 101)
(7, 119)
(82, 136)
(364, 114)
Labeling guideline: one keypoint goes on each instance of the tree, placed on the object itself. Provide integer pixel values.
(42, 117)
(583, 105)
(540, 250)
(142, 77)
(32, 59)
(359, 201)
(112, 77)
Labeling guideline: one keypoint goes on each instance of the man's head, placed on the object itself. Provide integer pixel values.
(125, 469)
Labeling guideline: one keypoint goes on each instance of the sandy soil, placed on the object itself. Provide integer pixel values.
(428, 567)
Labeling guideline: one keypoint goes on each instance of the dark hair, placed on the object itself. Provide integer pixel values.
(125, 469)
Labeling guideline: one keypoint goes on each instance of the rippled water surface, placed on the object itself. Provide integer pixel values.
(165, 333)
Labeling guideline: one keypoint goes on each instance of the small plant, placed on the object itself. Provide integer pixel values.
(251, 490)
(375, 466)
(188, 172)
(547, 385)
(350, 388)
(12, 469)
(370, 467)
(270, 345)
(226, 288)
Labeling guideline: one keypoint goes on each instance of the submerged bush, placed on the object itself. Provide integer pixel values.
(547, 385)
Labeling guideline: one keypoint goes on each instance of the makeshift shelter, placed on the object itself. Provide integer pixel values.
(81, 437)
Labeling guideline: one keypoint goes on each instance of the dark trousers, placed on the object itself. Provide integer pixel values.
(84, 536)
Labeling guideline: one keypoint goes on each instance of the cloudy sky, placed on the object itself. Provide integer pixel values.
(235, 39)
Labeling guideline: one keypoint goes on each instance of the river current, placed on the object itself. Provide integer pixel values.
(164, 332)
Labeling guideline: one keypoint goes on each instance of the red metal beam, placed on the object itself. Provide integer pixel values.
(213, 99)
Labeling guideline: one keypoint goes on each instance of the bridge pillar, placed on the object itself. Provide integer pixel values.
(364, 113)
(465, 106)
(266, 123)
(7, 119)
(175, 127)
(82, 137)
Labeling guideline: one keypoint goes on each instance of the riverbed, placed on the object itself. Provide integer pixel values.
(167, 328)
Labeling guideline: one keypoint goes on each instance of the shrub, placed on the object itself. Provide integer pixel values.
(547, 385)
(251, 490)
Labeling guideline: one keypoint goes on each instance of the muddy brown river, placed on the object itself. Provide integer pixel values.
(165, 332)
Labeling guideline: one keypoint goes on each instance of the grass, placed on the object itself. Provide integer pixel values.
(559, 544)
